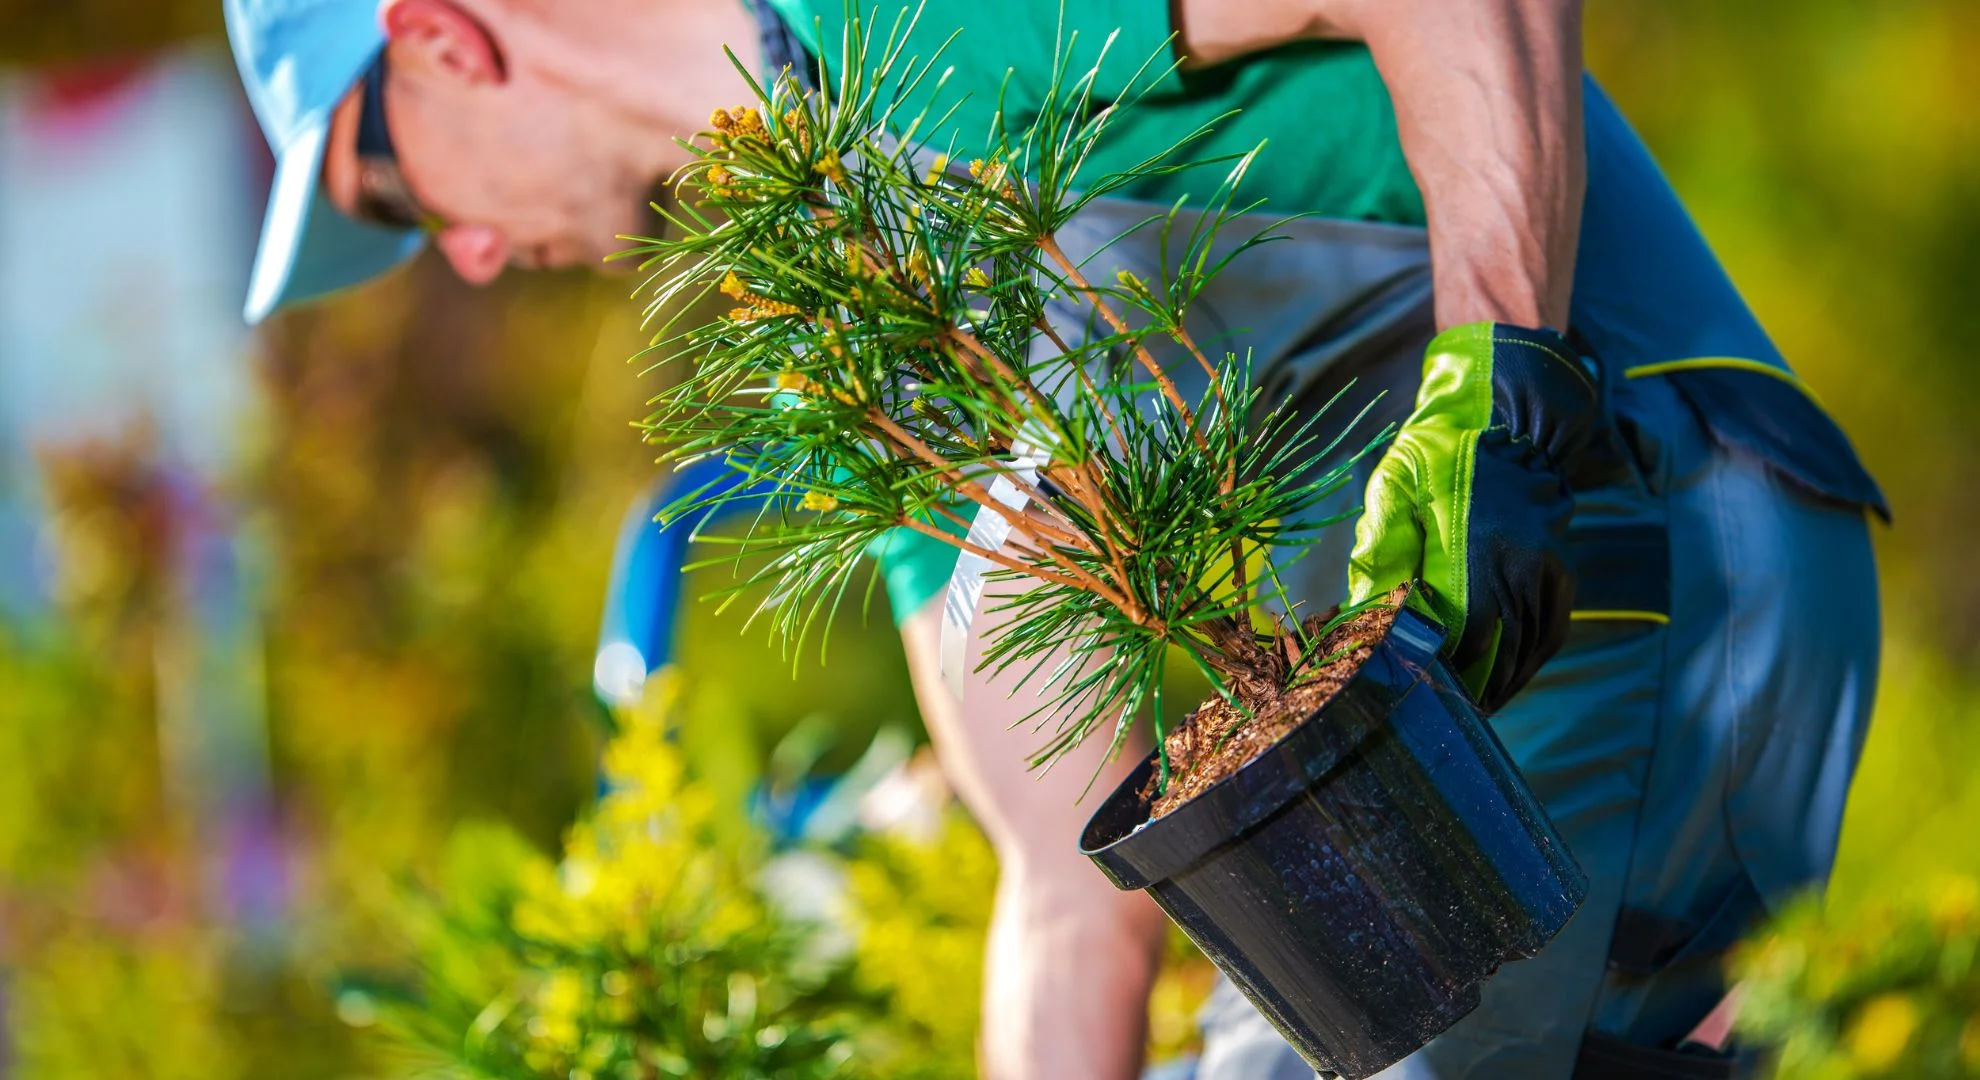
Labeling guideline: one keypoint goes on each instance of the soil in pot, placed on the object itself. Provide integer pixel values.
(1218, 738)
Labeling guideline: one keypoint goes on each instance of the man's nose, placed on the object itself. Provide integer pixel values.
(477, 252)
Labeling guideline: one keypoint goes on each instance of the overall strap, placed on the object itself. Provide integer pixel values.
(782, 48)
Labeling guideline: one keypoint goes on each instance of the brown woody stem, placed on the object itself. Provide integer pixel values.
(1229, 482)
(1046, 538)
(1086, 381)
(1182, 338)
(970, 489)
(1088, 485)
(1050, 245)
(1054, 576)
(1066, 266)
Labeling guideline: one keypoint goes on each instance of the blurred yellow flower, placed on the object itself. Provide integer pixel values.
(1954, 906)
(561, 995)
(819, 501)
(925, 913)
(1775, 958)
(1881, 1031)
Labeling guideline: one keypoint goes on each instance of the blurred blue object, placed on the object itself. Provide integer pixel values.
(796, 804)
(298, 60)
(793, 804)
(644, 597)
(786, 812)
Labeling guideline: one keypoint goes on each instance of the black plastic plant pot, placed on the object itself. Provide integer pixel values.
(1360, 879)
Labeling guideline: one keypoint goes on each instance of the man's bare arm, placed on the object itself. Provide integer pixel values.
(1488, 103)
(1071, 958)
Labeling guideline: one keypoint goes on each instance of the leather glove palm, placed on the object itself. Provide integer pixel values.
(1473, 497)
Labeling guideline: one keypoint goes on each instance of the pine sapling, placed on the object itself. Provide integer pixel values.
(888, 362)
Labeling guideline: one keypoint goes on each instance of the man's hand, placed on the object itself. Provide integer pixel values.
(1474, 497)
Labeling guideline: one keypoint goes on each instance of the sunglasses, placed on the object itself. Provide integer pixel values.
(383, 197)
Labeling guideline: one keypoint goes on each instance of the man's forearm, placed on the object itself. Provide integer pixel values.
(1488, 105)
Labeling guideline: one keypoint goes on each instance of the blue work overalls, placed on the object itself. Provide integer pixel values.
(1695, 738)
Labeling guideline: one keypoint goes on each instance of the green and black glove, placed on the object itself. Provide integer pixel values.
(1475, 493)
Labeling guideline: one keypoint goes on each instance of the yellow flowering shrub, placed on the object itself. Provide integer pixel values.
(1180, 990)
(165, 1026)
(646, 952)
(924, 912)
(1888, 991)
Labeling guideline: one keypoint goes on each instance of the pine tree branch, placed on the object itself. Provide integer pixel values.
(1050, 245)
(1090, 585)
(1045, 538)
(1086, 382)
(973, 490)
(1162, 379)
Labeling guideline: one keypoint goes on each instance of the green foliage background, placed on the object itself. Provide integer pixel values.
(441, 474)
(1889, 990)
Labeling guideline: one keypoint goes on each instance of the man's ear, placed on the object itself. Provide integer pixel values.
(438, 35)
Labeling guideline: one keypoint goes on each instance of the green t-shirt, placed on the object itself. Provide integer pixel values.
(1320, 110)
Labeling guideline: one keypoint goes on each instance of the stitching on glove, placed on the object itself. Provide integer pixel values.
(1419, 499)
(1515, 438)
(1467, 462)
(1555, 353)
(1482, 398)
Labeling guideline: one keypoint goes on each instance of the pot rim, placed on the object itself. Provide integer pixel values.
(1140, 852)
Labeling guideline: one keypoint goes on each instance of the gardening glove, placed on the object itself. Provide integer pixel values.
(1474, 495)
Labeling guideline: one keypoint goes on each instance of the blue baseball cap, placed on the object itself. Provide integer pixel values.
(298, 59)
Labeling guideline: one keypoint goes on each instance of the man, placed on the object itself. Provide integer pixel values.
(1645, 503)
